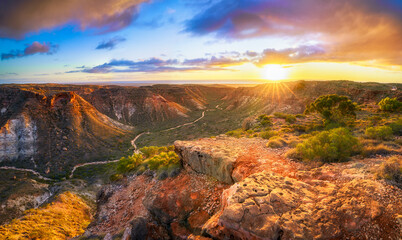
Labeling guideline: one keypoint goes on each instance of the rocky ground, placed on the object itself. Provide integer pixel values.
(240, 189)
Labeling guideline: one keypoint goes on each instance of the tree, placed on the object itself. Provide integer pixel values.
(390, 105)
(333, 108)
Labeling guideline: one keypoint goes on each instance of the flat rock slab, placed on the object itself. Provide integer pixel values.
(231, 159)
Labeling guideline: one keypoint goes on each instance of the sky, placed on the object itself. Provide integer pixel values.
(230, 41)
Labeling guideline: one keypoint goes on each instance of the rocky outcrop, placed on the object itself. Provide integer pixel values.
(269, 206)
(230, 159)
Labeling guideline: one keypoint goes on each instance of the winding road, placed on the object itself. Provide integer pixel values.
(136, 150)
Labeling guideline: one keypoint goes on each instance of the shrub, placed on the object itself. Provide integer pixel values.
(265, 120)
(391, 170)
(290, 118)
(127, 164)
(154, 150)
(380, 132)
(276, 142)
(390, 105)
(333, 108)
(328, 146)
(293, 154)
(163, 160)
(267, 134)
(235, 133)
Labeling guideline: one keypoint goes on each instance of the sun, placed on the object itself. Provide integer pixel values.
(274, 72)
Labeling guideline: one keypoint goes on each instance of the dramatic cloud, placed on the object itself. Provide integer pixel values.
(34, 48)
(352, 30)
(111, 43)
(19, 17)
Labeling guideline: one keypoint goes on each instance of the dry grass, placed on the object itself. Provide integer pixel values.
(66, 217)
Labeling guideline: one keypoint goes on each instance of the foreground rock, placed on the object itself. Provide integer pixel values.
(230, 159)
(269, 206)
(147, 208)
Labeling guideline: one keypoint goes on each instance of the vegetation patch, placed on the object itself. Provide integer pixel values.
(160, 159)
(276, 142)
(333, 108)
(380, 132)
(66, 217)
(390, 105)
(328, 146)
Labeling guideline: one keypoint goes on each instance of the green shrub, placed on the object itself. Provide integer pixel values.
(235, 133)
(127, 164)
(163, 160)
(267, 134)
(290, 118)
(264, 120)
(328, 146)
(154, 150)
(293, 154)
(391, 170)
(333, 108)
(380, 132)
(276, 142)
(390, 105)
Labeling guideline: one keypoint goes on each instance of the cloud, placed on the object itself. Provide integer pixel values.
(20, 17)
(351, 30)
(111, 43)
(215, 63)
(31, 49)
(292, 55)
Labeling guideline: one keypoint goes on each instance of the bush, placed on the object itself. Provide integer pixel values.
(328, 146)
(333, 108)
(235, 133)
(276, 142)
(391, 170)
(293, 154)
(127, 164)
(264, 120)
(163, 161)
(267, 134)
(154, 150)
(380, 132)
(390, 105)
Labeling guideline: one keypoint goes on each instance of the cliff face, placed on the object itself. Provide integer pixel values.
(52, 133)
